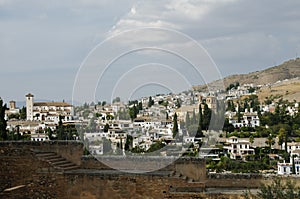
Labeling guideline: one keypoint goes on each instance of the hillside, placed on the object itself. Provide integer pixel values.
(287, 89)
(287, 70)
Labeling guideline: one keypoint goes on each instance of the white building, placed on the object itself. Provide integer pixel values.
(39, 137)
(96, 149)
(188, 139)
(287, 168)
(237, 148)
(147, 123)
(47, 111)
(249, 119)
(291, 146)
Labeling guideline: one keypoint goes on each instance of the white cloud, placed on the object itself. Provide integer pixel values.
(133, 10)
(188, 9)
(44, 34)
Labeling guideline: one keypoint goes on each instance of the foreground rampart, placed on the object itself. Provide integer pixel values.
(23, 174)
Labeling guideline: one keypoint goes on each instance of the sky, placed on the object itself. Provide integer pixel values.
(56, 49)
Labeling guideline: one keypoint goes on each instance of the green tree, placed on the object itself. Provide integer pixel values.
(106, 127)
(230, 106)
(137, 149)
(178, 103)
(3, 123)
(246, 105)
(133, 112)
(279, 190)
(251, 139)
(49, 133)
(156, 146)
(150, 102)
(228, 127)
(60, 129)
(206, 117)
(282, 137)
(124, 115)
(293, 164)
(14, 116)
(117, 99)
(128, 144)
(270, 141)
(175, 126)
(199, 132)
(140, 106)
(109, 117)
(239, 115)
(251, 90)
(92, 125)
(85, 105)
(23, 113)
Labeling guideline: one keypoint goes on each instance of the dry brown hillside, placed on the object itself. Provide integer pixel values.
(287, 70)
(287, 90)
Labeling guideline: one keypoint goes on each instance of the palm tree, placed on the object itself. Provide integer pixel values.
(251, 139)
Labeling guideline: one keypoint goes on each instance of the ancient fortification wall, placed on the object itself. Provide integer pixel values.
(31, 177)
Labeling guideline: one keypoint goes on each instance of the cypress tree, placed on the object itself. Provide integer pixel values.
(206, 117)
(3, 124)
(60, 129)
(175, 126)
(199, 132)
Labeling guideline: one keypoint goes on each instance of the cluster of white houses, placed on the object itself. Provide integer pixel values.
(47, 111)
(39, 116)
(248, 119)
(151, 124)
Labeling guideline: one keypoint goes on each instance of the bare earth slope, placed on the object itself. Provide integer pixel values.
(288, 89)
(287, 70)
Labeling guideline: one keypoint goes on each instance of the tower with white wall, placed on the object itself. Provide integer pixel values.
(29, 106)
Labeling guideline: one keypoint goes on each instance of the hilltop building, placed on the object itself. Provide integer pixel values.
(47, 111)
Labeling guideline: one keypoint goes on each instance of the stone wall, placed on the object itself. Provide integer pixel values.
(192, 168)
(189, 167)
(246, 181)
(183, 178)
(71, 150)
(20, 167)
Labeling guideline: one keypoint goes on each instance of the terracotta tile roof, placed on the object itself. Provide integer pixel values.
(63, 104)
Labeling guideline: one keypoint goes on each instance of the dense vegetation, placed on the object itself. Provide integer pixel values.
(277, 189)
